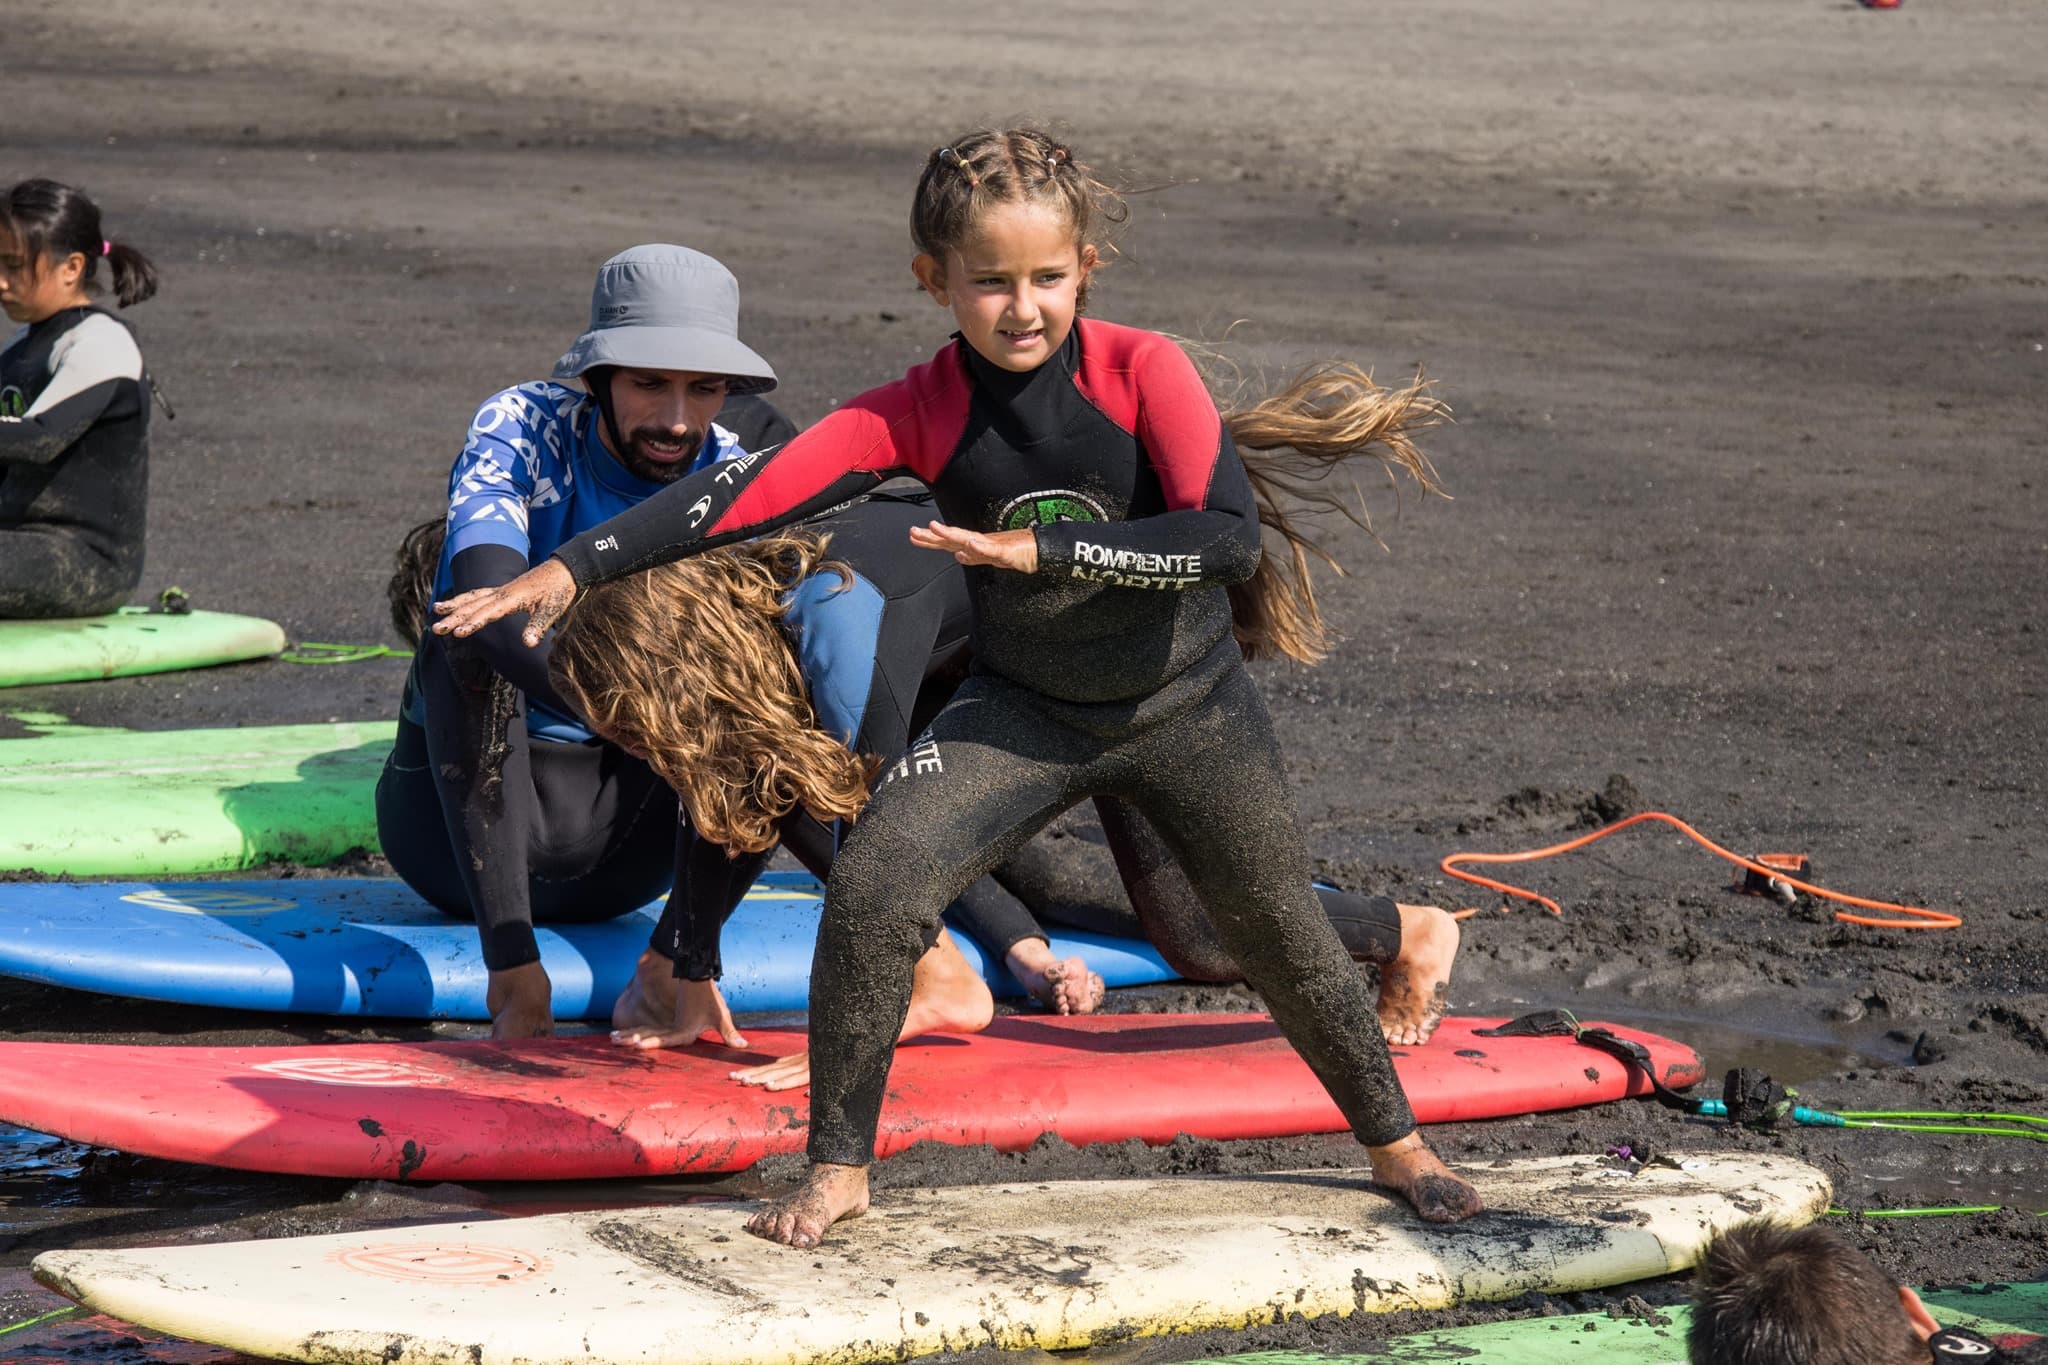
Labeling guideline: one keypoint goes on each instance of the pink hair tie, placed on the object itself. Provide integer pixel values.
(106, 247)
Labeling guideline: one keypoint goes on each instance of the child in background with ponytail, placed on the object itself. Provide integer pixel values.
(1106, 517)
(74, 410)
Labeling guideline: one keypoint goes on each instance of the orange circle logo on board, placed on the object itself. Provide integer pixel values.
(442, 1262)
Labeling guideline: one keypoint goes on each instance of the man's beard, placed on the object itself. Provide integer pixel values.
(645, 467)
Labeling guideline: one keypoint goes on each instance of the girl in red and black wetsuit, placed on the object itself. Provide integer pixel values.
(1099, 501)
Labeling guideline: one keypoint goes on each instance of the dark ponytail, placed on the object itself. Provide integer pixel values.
(49, 221)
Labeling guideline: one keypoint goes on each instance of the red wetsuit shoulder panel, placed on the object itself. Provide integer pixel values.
(1146, 384)
(910, 426)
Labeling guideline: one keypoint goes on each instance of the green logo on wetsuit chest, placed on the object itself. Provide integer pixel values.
(13, 402)
(1045, 508)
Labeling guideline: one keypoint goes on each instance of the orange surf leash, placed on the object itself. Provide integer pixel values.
(1915, 917)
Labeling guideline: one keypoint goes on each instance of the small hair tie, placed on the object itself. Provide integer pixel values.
(1055, 159)
(106, 247)
(949, 157)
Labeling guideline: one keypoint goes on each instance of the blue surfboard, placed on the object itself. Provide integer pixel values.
(370, 947)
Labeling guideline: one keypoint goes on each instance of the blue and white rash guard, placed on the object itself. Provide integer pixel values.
(533, 473)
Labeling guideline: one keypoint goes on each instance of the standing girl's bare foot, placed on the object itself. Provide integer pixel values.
(827, 1194)
(1411, 1170)
(1061, 984)
(1415, 987)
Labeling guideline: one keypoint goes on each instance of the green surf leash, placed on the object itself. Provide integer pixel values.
(50, 1316)
(1754, 1100)
(1943, 1211)
(1896, 1120)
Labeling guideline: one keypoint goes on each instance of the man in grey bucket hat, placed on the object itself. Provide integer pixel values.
(672, 311)
(498, 803)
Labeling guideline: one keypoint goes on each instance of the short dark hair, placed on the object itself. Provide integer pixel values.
(1767, 1294)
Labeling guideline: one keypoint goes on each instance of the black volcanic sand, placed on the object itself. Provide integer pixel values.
(1740, 310)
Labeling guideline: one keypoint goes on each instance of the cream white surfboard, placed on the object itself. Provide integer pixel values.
(1053, 1265)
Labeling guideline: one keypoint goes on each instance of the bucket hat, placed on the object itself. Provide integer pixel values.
(662, 307)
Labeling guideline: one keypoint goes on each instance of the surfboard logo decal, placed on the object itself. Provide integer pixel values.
(208, 902)
(442, 1262)
(350, 1071)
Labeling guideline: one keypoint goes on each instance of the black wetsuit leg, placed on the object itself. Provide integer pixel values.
(996, 766)
(1143, 894)
(1215, 788)
(1172, 917)
(560, 833)
(47, 573)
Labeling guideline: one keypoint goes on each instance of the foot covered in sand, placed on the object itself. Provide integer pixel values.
(946, 996)
(1415, 987)
(1063, 985)
(827, 1194)
(522, 1003)
(656, 1010)
(1408, 1168)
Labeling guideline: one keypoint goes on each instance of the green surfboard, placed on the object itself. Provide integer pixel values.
(152, 804)
(1998, 1311)
(132, 640)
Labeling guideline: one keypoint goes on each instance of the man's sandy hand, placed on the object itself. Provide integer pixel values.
(521, 1002)
(543, 592)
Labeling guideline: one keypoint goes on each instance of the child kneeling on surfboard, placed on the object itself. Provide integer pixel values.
(1105, 514)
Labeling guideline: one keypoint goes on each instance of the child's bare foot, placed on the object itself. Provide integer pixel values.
(648, 1004)
(828, 1194)
(946, 996)
(1061, 984)
(1411, 1170)
(1415, 987)
(522, 1003)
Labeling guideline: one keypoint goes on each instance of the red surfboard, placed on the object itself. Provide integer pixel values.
(572, 1108)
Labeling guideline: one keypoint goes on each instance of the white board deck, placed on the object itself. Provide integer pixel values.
(1054, 1265)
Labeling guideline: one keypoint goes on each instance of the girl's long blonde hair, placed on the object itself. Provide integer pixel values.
(1292, 443)
(686, 665)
